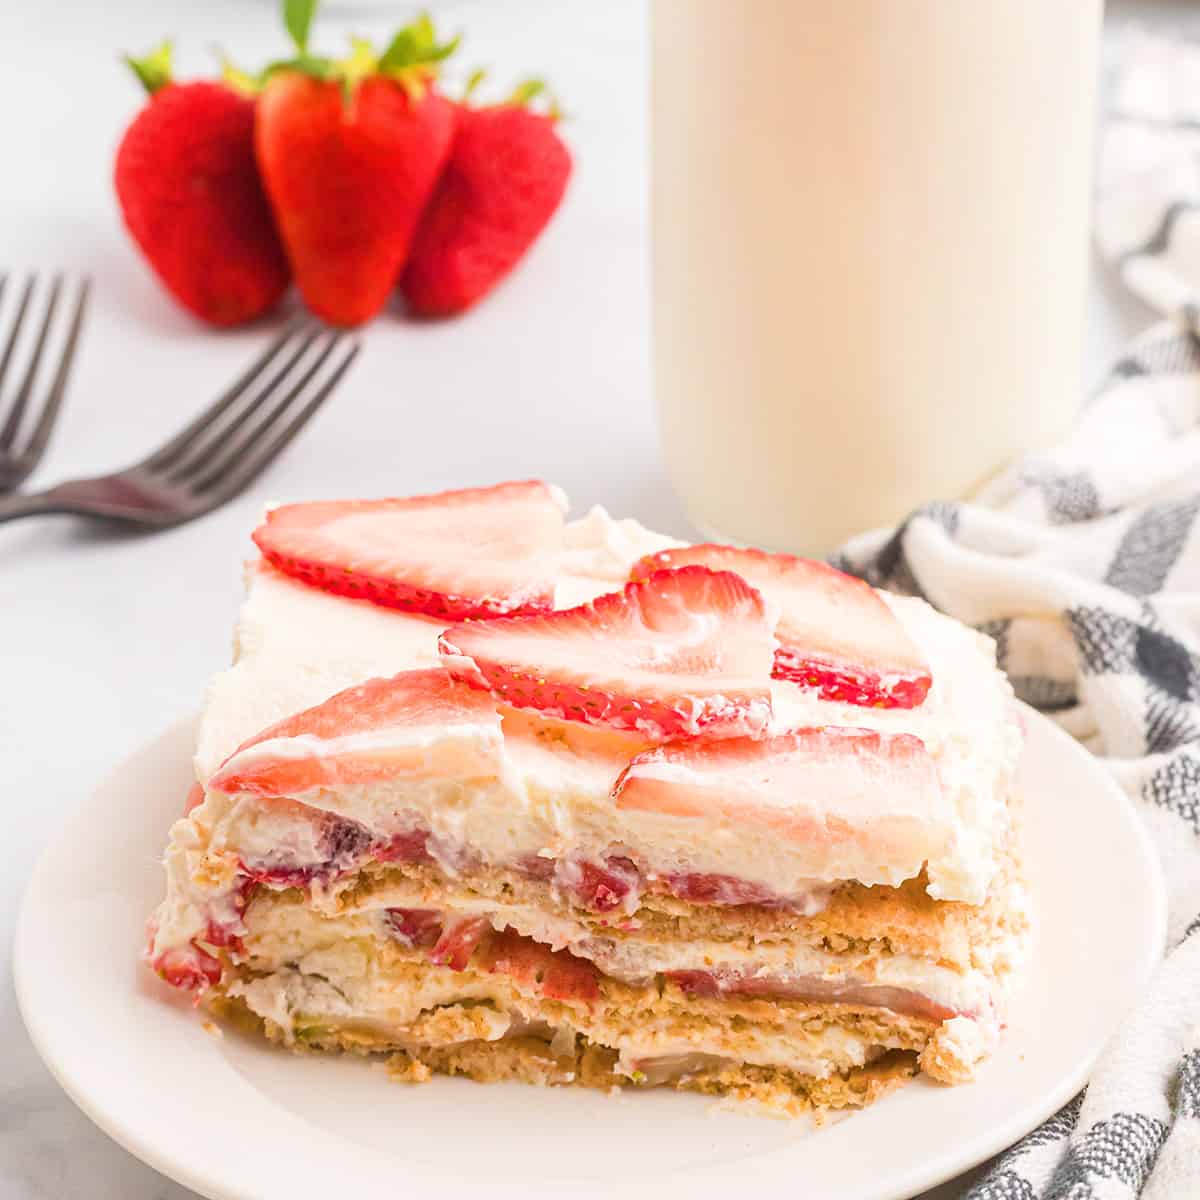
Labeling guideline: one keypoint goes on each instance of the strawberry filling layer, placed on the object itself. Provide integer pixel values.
(812, 988)
(613, 885)
(456, 942)
(452, 941)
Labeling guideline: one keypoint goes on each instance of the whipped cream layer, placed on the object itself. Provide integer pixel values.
(296, 646)
(779, 966)
(307, 970)
(280, 844)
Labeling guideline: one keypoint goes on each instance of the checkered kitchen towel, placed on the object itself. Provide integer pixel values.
(1084, 565)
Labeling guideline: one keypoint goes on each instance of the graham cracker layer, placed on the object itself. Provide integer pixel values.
(320, 976)
(857, 918)
(319, 970)
(533, 1060)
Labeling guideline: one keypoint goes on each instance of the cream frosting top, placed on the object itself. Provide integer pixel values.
(296, 646)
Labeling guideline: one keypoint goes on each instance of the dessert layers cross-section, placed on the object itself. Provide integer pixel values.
(492, 793)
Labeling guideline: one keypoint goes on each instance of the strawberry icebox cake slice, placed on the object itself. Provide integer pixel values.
(490, 793)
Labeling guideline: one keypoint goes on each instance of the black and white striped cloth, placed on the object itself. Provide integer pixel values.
(1084, 565)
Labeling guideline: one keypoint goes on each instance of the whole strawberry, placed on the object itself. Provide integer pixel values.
(190, 194)
(350, 153)
(505, 178)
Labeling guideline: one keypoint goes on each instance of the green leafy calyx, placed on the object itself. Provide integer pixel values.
(530, 89)
(154, 69)
(520, 97)
(297, 19)
(411, 58)
(415, 47)
(475, 78)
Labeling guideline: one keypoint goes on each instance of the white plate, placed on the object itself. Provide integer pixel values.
(236, 1120)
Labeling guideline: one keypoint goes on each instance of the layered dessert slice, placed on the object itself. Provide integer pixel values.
(495, 795)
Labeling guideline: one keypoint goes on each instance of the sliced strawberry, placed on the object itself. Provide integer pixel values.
(602, 887)
(683, 653)
(481, 552)
(555, 974)
(415, 926)
(854, 802)
(595, 748)
(416, 725)
(717, 889)
(695, 983)
(188, 967)
(411, 847)
(457, 942)
(835, 633)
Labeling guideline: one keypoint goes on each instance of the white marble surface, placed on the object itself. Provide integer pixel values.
(105, 640)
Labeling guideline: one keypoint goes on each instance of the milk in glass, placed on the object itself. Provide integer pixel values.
(869, 226)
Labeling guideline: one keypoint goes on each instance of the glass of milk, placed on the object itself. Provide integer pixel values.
(869, 226)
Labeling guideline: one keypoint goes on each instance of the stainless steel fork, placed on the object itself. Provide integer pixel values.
(21, 448)
(220, 452)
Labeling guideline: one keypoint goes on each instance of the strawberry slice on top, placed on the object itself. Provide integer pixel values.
(852, 803)
(681, 654)
(479, 552)
(835, 633)
(416, 725)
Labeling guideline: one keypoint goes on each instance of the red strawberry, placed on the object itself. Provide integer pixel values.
(188, 967)
(414, 926)
(479, 552)
(555, 974)
(416, 725)
(835, 633)
(684, 653)
(191, 197)
(505, 179)
(457, 942)
(350, 154)
(847, 799)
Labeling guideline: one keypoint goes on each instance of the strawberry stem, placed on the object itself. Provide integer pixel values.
(411, 58)
(415, 46)
(298, 17)
(239, 80)
(526, 90)
(154, 69)
(475, 78)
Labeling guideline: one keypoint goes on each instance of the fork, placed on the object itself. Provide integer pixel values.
(221, 451)
(19, 456)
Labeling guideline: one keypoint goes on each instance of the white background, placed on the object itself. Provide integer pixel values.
(105, 639)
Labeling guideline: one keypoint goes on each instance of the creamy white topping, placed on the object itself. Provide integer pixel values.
(296, 646)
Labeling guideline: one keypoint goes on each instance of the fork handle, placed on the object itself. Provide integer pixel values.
(33, 504)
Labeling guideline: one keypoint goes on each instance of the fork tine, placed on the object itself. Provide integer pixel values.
(252, 465)
(162, 458)
(15, 336)
(199, 453)
(234, 448)
(49, 414)
(9, 432)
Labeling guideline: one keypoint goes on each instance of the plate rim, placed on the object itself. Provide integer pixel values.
(918, 1177)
